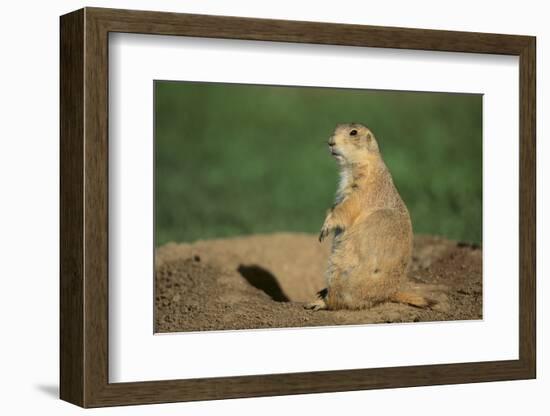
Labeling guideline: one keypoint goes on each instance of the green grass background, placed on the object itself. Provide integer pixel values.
(237, 159)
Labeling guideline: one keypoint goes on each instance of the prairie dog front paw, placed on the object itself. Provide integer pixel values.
(327, 227)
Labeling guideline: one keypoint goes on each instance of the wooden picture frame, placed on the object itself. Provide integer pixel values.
(84, 207)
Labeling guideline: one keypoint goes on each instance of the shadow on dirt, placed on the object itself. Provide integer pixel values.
(264, 280)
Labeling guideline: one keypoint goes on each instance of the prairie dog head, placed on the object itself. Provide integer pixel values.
(352, 142)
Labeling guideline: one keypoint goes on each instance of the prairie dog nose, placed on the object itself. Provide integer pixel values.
(331, 142)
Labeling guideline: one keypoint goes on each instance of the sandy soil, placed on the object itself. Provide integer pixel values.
(262, 281)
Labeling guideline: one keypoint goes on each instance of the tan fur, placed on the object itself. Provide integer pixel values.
(411, 299)
(372, 244)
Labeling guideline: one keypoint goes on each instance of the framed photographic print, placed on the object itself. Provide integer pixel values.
(241, 196)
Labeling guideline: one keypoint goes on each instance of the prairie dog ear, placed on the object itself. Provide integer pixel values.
(371, 142)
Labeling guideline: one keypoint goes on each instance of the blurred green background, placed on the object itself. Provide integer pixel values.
(236, 159)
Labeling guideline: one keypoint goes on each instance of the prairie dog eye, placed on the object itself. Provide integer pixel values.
(353, 132)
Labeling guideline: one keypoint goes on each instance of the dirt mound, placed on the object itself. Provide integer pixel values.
(262, 281)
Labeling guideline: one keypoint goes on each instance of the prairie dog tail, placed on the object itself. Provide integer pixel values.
(412, 299)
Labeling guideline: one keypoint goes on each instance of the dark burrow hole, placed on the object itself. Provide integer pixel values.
(264, 280)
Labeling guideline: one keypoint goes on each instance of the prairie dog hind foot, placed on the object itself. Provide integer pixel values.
(317, 305)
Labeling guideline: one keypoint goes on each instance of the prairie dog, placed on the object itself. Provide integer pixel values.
(372, 243)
